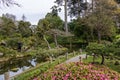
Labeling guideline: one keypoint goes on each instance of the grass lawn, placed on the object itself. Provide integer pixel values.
(108, 63)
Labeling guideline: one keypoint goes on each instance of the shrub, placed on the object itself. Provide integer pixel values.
(79, 71)
(95, 48)
(44, 54)
(117, 63)
(8, 52)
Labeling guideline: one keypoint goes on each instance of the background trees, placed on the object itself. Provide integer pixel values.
(100, 19)
(24, 28)
(7, 27)
(46, 25)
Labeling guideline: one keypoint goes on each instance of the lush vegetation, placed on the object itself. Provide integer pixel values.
(74, 71)
(41, 68)
(95, 29)
(113, 64)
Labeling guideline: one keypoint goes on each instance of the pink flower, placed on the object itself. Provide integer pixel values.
(54, 78)
(67, 75)
(75, 78)
(35, 79)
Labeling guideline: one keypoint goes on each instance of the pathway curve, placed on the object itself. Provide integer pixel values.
(77, 58)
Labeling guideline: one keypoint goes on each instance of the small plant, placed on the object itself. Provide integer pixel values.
(117, 63)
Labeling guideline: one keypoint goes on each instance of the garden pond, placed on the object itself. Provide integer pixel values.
(16, 66)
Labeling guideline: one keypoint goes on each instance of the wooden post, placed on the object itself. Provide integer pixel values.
(50, 59)
(73, 53)
(80, 51)
(93, 54)
(80, 59)
(58, 61)
(86, 56)
(6, 76)
(66, 55)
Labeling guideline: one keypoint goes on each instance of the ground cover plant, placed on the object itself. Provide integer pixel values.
(79, 71)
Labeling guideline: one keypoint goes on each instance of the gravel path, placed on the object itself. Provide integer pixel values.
(77, 58)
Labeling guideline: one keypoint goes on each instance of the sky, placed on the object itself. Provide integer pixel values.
(32, 9)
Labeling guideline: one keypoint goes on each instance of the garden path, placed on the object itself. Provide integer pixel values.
(77, 58)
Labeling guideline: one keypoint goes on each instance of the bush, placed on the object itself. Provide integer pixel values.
(44, 54)
(117, 63)
(95, 48)
(8, 52)
(79, 71)
(12, 42)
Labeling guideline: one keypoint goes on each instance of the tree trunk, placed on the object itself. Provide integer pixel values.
(92, 34)
(79, 8)
(99, 37)
(65, 8)
(103, 59)
(55, 40)
(92, 6)
(85, 10)
(46, 42)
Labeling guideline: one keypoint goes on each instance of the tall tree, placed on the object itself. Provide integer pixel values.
(101, 18)
(64, 3)
(77, 8)
(49, 25)
(42, 27)
(65, 9)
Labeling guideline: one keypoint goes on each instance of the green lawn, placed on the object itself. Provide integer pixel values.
(108, 63)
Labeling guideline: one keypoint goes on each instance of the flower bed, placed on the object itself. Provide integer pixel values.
(79, 71)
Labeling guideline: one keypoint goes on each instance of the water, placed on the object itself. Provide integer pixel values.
(16, 66)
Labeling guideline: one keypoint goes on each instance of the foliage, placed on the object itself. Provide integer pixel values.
(44, 54)
(102, 26)
(80, 71)
(95, 48)
(101, 19)
(55, 21)
(108, 62)
(24, 28)
(81, 29)
(40, 68)
(117, 63)
(12, 43)
(7, 27)
(49, 22)
(8, 52)
(117, 40)
(75, 7)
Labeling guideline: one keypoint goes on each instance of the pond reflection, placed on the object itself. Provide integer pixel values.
(15, 66)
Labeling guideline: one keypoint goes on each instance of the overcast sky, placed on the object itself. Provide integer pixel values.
(32, 9)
